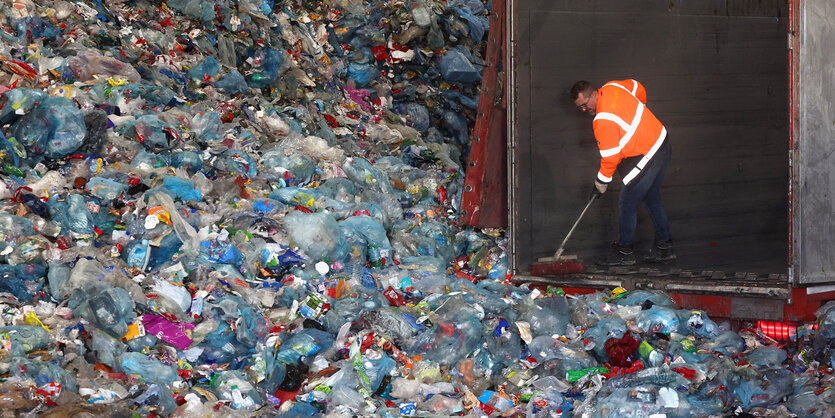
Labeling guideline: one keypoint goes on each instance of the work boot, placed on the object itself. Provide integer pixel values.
(622, 255)
(661, 252)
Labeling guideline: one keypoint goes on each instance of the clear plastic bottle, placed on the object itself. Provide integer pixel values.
(421, 14)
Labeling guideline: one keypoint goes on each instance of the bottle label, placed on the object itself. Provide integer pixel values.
(408, 409)
(5, 342)
(196, 307)
(645, 349)
(312, 307)
(161, 214)
(93, 207)
(135, 330)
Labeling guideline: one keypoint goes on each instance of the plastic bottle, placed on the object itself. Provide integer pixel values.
(377, 369)
(58, 278)
(306, 342)
(661, 376)
(80, 219)
(233, 386)
(421, 14)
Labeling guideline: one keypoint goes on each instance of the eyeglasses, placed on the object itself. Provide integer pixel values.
(583, 107)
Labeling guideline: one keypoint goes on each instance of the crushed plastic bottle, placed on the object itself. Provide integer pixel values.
(249, 208)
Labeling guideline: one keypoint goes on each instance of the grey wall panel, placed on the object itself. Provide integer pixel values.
(815, 227)
(676, 7)
(716, 76)
(758, 8)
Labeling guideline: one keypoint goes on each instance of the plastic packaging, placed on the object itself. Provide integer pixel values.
(317, 234)
(251, 208)
(149, 369)
(658, 319)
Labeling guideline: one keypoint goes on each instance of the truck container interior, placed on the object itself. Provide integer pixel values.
(716, 74)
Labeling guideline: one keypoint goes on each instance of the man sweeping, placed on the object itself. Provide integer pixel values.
(635, 143)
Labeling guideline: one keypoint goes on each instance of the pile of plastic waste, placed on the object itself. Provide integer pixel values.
(242, 208)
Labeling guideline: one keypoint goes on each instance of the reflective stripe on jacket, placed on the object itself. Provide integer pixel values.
(624, 127)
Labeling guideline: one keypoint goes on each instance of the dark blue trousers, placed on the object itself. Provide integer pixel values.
(647, 189)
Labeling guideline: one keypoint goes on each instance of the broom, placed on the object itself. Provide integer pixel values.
(559, 263)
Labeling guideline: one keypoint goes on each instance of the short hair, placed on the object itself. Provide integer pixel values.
(581, 86)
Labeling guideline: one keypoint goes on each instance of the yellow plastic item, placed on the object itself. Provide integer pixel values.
(32, 319)
(135, 330)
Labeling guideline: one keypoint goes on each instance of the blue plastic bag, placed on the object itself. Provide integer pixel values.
(181, 189)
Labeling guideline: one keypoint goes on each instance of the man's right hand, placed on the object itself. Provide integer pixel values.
(598, 189)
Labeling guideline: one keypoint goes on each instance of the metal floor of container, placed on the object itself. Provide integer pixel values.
(760, 257)
(738, 267)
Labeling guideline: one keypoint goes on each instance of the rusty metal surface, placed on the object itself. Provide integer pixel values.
(484, 198)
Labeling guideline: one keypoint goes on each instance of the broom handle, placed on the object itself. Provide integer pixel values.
(562, 246)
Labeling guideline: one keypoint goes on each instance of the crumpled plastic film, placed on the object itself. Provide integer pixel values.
(242, 208)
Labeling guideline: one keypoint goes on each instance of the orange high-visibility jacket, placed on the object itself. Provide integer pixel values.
(624, 127)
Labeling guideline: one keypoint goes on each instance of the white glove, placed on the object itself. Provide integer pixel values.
(600, 186)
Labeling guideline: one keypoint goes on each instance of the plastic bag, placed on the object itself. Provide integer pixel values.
(317, 234)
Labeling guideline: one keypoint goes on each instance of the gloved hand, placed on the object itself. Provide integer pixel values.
(598, 189)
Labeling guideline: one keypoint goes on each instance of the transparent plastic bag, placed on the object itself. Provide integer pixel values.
(317, 234)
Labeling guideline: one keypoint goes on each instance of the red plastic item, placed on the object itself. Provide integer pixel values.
(394, 298)
(688, 374)
(620, 349)
(285, 396)
(380, 53)
(465, 276)
(617, 371)
(368, 341)
(63, 243)
(331, 121)
(447, 329)
(303, 209)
